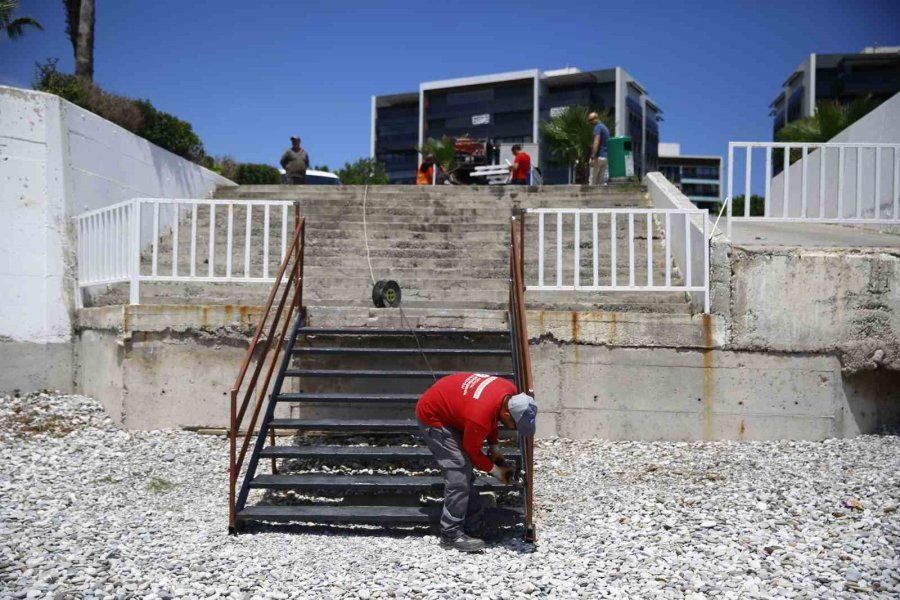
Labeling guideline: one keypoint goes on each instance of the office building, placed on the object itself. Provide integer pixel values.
(508, 108)
(873, 72)
(698, 177)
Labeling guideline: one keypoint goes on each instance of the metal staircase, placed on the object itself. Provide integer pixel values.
(347, 398)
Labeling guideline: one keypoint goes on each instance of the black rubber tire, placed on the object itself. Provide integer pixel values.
(378, 294)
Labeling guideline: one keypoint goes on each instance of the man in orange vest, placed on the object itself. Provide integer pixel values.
(425, 172)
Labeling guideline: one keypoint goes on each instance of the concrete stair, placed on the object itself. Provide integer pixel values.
(447, 246)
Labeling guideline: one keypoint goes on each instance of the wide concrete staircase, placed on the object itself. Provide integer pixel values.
(448, 247)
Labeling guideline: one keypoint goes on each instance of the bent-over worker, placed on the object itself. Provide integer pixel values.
(456, 415)
(425, 172)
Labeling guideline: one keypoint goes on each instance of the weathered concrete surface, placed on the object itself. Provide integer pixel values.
(667, 394)
(163, 366)
(627, 329)
(840, 301)
(28, 366)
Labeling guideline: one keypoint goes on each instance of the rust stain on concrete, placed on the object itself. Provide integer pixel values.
(574, 326)
(613, 329)
(742, 430)
(708, 389)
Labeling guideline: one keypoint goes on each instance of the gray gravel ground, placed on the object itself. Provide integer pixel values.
(87, 510)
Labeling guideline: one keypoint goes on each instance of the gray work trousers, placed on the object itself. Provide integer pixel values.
(463, 508)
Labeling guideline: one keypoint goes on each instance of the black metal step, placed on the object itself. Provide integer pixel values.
(346, 397)
(358, 452)
(363, 483)
(365, 514)
(378, 373)
(346, 424)
(388, 351)
(398, 331)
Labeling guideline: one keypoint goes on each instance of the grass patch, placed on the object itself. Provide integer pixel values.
(159, 485)
(31, 422)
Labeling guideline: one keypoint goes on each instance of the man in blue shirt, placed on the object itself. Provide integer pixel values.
(599, 161)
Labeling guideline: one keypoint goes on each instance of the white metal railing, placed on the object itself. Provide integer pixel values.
(830, 183)
(603, 231)
(144, 240)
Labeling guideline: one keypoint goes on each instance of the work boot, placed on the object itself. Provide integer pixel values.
(463, 543)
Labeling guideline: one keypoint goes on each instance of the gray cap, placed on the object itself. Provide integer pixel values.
(524, 412)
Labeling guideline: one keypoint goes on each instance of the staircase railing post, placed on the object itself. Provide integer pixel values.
(232, 468)
(134, 294)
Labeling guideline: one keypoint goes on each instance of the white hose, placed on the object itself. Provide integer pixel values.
(366, 233)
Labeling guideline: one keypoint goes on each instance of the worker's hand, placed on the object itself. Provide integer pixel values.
(502, 473)
(496, 456)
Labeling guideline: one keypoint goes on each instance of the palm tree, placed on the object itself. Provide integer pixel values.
(830, 119)
(14, 28)
(80, 29)
(569, 135)
(443, 150)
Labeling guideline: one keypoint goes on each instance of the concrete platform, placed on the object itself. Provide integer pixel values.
(816, 235)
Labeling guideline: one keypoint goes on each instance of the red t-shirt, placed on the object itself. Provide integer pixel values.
(523, 166)
(470, 403)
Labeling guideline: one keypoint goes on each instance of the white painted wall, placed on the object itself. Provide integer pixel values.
(881, 126)
(58, 160)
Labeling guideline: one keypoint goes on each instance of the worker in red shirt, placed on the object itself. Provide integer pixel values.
(520, 170)
(456, 415)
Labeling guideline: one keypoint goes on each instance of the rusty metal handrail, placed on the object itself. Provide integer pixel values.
(524, 378)
(294, 260)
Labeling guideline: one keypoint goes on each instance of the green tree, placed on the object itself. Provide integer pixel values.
(757, 206)
(170, 132)
(80, 20)
(363, 171)
(569, 136)
(323, 168)
(443, 150)
(14, 28)
(830, 119)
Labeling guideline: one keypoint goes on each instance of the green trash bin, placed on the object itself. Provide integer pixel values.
(621, 161)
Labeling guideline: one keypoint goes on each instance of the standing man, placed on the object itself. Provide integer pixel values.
(456, 415)
(520, 170)
(295, 162)
(599, 160)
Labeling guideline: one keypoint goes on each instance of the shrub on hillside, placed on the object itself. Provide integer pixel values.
(253, 173)
(137, 116)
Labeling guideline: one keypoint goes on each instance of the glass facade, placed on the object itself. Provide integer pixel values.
(396, 137)
(685, 171)
(502, 112)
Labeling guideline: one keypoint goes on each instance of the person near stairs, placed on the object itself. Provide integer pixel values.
(295, 162)
(520, 170)
(599, 141)
(456, 415)
(425, 172)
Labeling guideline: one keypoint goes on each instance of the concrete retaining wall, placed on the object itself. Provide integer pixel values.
(58, 160)
(156, 366)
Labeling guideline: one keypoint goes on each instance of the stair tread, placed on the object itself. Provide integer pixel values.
(346, 424)
(437, 351)
(363, 514)
(397, 331)
(409, 482)
(358, 451)
(380, 373)
(346, 397)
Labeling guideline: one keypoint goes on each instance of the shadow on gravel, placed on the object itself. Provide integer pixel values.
(508, 538)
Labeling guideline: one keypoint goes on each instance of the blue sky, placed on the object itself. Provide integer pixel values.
(247, 75)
